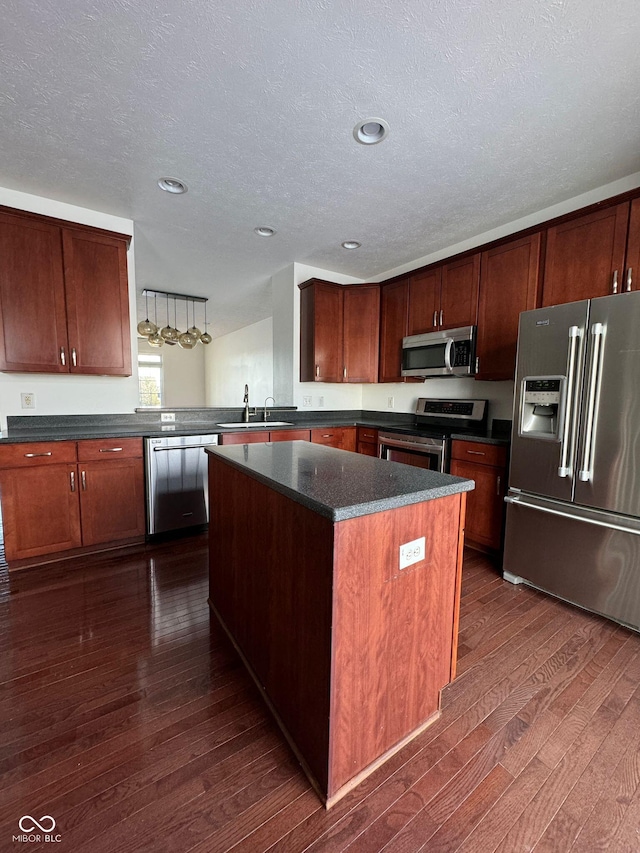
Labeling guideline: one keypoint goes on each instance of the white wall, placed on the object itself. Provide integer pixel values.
(244, 357)
(72, 394)
(286, 329)
(499, 394)
(183, 374)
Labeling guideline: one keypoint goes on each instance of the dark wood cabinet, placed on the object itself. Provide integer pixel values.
(69, 497)
(367, 441)
(97, 289)
(261, 436)
(64, 304)
(40, 499)
(361, 332)
(509, 283)
(339, 327)
(394, 322)
(111, 481)
(444, 297)
(585, 256)
(344, 438)
(486, 464)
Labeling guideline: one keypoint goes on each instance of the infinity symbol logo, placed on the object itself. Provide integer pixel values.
(28, 823)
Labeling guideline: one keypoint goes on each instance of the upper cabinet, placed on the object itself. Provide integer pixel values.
(444, 297)
(586, 256)
(394, 319)
(339, 327)
(64, 303)
(508, 285)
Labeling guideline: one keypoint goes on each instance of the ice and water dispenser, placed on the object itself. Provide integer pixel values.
(542, 406)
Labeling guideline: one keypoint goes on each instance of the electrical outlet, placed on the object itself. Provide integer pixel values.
(412, 552)
(320, 402)
(306, 402)
(28, 400)
(390, 402)
(167, 417)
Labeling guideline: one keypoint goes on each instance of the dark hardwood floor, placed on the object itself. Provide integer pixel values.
(126, 716)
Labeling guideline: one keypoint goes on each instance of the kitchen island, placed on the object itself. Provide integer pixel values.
(349, 649)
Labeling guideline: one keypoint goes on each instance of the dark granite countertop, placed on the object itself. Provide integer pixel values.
(335, 483)
(78, 427)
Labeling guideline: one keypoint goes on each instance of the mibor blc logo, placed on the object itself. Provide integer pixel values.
(37, 830)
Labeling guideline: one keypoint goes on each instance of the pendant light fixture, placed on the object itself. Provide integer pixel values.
(188, 340)
(156, 339)
(205, 337)
(146, 327)
(169, 333)
(194, 330)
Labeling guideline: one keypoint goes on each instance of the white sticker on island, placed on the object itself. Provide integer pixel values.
(412, 552)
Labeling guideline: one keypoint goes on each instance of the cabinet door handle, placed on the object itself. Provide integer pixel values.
(476, 452)
(72, 477)
(31, 455)
(477, 364)
(435, 319)
(74, 358)
(317, 370)
(63, 358)
(629, 279)
(83, 477)
(110, 449)
(441, 317)
(498, 482)
(344, 372)
(614, 283)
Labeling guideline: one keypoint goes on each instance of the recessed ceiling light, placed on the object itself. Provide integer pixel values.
(351, 244)
(172, 185)
(370, 130)
(265, 231)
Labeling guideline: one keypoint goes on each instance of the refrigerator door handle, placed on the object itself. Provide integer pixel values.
(518, 501)
(567, 442)
(585, 473)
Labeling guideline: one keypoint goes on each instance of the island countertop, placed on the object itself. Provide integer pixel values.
(335, 483)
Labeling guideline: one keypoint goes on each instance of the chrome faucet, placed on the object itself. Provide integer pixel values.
(245, 414)
(265, 407)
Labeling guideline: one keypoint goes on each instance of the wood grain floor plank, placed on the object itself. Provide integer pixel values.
(133, 723)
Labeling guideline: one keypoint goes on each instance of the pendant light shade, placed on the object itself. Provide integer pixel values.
(169, 333)
(205, 337)
(155, 339)
(146, 327)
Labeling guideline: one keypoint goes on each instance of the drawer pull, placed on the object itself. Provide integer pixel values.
(327, 435)
(31, 455)
(476, 452)
(110, 449)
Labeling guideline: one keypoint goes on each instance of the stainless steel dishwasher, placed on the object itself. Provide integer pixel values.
(177, 493)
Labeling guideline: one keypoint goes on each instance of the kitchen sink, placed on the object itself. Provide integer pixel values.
(256, 424)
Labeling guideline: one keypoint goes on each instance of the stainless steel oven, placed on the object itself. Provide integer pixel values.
(420, 451)
(426, 444)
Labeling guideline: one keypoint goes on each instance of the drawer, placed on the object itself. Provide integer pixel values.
(290, 435)
(244, 437)
(37, 453)
(367, 435)
(90, 450)
(479, 452)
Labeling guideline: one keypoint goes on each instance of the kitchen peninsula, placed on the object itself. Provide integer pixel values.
(337, 577)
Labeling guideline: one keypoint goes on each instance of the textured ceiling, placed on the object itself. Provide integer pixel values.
(497, 108)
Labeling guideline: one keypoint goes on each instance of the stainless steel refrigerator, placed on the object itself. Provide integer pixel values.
(573, 507)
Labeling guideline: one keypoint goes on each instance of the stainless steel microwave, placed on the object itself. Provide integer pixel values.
(450, 352)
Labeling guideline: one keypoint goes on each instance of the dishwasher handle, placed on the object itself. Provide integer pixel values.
(182, 447)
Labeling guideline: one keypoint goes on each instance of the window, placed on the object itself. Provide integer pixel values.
(150, 380)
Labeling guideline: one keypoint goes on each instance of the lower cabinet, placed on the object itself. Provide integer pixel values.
(344, 438)
(367, 441)
(486, 464)
(64, 496)
(257, 437)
